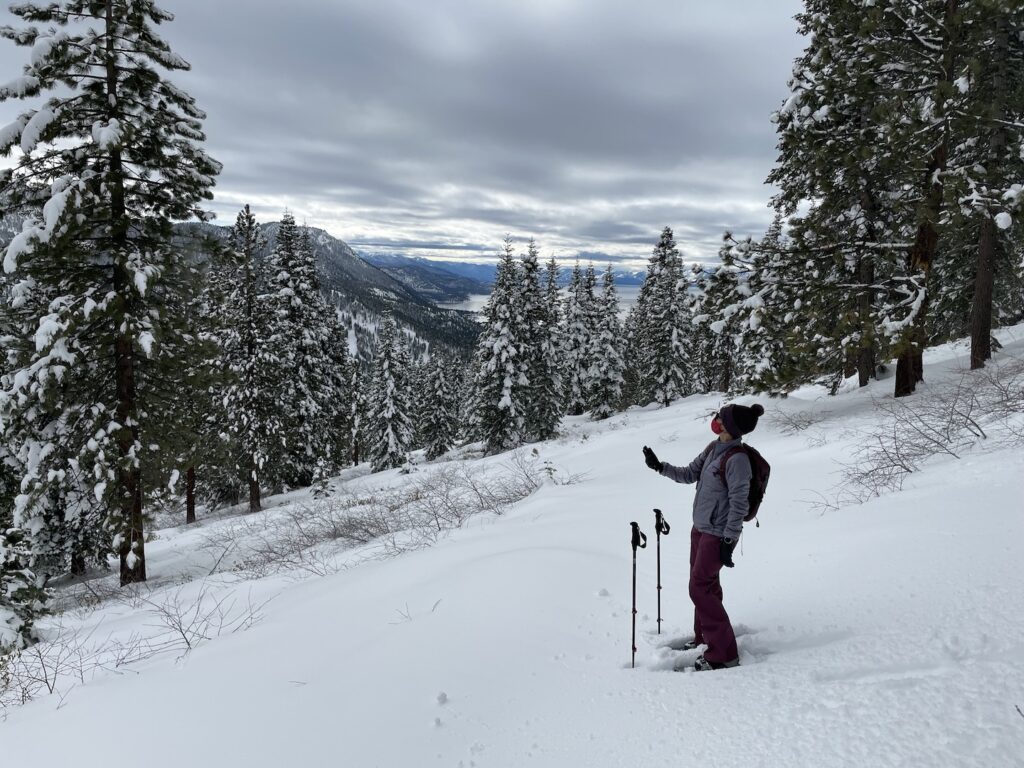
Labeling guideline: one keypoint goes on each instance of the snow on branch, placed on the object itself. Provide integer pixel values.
(19, 88)
(35, 231)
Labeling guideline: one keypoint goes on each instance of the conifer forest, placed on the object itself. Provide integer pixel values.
(152, 361)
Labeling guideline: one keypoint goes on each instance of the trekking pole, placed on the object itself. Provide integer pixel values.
(639, 540)
(661, 526)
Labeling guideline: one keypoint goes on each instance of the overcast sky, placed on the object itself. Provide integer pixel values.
(435, 127)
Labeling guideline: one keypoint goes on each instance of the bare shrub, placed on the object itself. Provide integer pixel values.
(190, 621)
(68, 658)
(307, 537)
(946, 420)
(792, 422)
(42, 668)
(1002, 388)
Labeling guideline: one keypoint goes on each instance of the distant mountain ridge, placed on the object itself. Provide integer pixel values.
(481, 276)
(437, 281)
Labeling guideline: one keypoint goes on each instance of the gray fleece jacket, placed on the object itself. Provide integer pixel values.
(718, 507)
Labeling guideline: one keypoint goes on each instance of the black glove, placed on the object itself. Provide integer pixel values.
(725, 552)
(652, 460)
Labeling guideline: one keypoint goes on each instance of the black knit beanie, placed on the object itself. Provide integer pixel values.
(739, 419)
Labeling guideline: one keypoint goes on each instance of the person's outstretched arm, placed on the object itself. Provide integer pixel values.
(687, 474)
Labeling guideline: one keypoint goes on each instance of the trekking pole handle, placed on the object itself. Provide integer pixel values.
(661, 525)
(639, 537)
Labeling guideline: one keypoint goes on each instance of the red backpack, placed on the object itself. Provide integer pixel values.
(760, 470)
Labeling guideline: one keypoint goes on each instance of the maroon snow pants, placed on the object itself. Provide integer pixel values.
(710, 621)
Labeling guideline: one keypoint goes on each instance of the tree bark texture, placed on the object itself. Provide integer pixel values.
(254, 486)
(984, 281)
(190, 495)
(866, 353)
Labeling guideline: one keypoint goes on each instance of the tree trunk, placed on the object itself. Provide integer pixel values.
(850, 363)
(910, 365)
(984, 278)
(190, 495)
(865, 365)
(254, 486)
(866, 353)
(131, 549)
(866, 358)
(861, 361)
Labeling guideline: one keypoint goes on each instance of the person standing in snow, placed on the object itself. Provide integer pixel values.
(719, 506)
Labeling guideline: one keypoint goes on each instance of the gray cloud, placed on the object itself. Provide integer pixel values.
(438, 127)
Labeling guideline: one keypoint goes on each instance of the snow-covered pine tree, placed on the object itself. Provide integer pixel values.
(738, 344)
(500, 386)
(930, 44)
(22, 596)
(986, 162)
(358, 412)
(658, 330)
(553, 304)
(418, 384)
(845, 282)
(68, 520)
(339, 373)
(390, 432)
(578, 340)
(305, 325)
(108, 163)
(178, 387)
(439, 418)
(252, 344)
(636, 378)
(766, 345)
(668, 326)
(540, 354)
(894, 121)
(608, 365)
(463, 378)
(680, 378)
(713, 347)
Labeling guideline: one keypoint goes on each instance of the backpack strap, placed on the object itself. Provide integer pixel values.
(720, 472)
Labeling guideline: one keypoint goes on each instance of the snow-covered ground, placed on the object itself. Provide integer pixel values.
(888, 633)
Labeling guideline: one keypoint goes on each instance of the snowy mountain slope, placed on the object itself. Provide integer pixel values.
(436, 280)
(363, 293)
(889, 633)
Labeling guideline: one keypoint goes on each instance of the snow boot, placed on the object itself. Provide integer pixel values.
(703, 665)
(691, 645)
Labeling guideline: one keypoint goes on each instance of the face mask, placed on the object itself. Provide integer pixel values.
(716, 426)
